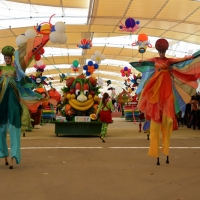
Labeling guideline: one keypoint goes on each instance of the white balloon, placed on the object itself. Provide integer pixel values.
(21, 39)
(60, 27)
(97, 53)
(54, 37)
(63, 38)
(103, 57)
(138, 80)
(98, 61)
(39, 63)
(93, 57)
(30, 33)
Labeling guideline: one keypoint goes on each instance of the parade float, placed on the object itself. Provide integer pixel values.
(79, 106)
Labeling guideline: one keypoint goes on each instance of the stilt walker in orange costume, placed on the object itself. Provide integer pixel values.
(166, 87)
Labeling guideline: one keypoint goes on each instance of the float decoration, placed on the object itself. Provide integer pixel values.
(125, 72)
(85, 44)
(130, 25)
(90, 68)
(98, 57)
(62, 77)
(142, 43)
(80, 97)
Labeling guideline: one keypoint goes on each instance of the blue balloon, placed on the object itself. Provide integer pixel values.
(96, 66)
(90, 63)
(53, 28)
(125, 68)
(85, 67)
(88, 73)
(137, 22)
(120, 27)
(130, 22)
(38, 28)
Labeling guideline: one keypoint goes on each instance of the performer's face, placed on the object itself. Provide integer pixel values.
(161, 54)
(8, 59)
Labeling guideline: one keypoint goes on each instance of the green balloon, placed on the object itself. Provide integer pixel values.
(75, 63)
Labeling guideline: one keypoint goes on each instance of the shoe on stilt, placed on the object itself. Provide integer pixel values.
(167, 161)
(11, 167)
(158, 162)
(6, 163)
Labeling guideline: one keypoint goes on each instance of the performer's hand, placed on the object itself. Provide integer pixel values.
(189, 57)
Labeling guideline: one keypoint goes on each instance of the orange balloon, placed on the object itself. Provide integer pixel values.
(67, 108)
(142, 37)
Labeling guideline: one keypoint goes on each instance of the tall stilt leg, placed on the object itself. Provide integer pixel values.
(167, 161)
(158, 162)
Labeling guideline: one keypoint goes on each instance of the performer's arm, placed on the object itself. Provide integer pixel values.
(176, 60)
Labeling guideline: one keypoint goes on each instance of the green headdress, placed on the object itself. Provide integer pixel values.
(8, 51)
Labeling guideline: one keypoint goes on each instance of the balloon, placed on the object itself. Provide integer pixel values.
(54, 37)
(60, 27)
(93, 57)
(88, 73)
(53, 28)
(122, 71)
(138, 80)
(41, 51)
(130, 23)
(137, 22)
(30, 33)
(90, 63)
(21, 39)
(63, 38)
(142, 37)
(39, 63)
(85, 67)
(97, 53)
(125, 68)
(96, 66)
(75, 63)
(37, 57)
(103, 57)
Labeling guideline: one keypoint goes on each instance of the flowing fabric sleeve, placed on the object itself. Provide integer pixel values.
(184, 78)
(147, 69)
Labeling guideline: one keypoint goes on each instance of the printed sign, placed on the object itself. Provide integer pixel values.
(82, 119)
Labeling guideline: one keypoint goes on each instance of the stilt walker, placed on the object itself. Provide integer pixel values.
(166, 87)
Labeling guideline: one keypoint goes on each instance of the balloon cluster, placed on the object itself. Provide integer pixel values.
(85, 44)
(90, 68)
(58, 34)
(98, 57)
(125, 72)
(75, 65)
(142, 43)
(130, 25)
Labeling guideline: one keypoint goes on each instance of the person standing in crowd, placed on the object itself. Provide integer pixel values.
(194, 108)
(105, 109)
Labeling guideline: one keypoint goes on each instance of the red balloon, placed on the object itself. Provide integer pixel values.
(37, 57)
(41, 51)
(142, 37)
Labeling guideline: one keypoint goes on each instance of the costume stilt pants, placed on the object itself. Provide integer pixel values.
(166, 127)
(104, 129)
(15, 134)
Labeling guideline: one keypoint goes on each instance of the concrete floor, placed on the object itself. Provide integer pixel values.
(73, 168)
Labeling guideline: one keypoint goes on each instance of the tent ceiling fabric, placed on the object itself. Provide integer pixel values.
(177, 20)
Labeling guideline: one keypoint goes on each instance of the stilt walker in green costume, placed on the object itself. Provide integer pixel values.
(10, 109)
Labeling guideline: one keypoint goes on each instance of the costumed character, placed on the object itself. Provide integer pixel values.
(11, 110)
(105, 109)
(36, 112)
(166, 86)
